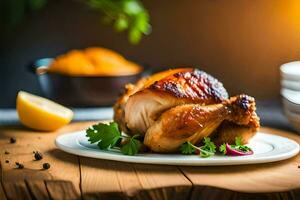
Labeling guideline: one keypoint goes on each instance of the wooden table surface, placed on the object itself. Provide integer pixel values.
(75, 177)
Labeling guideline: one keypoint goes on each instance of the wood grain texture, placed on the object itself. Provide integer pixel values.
(72, 177)
(97, 173)
(62, 190)
(16, 190)
(37, 189)
(138, 181)
(101, 179)
(162, 181)
(63, 166)
(2, 193)
(212, 193)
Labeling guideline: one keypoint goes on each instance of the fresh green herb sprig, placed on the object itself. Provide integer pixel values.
(205, 151)
(131, 147)
(108, 136)
(239, 146)
(222, 149)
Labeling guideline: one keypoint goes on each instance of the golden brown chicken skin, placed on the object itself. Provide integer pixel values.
(130, 89)
(193, 84)
(243, 126)
(193, 122)
(185, 104)
(144, 107)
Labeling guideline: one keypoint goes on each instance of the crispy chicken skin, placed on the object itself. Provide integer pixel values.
(193, 84)
(193, 122)
(244, 126)
(190, 86)
(130, 89)
(185, 104)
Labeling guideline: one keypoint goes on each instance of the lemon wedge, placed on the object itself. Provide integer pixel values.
(41, 114)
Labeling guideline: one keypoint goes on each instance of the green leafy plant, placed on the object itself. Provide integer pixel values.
(238, 145)
(205, 151)
(222, 149)
(131, 147)
(108, 136)
(123, 15)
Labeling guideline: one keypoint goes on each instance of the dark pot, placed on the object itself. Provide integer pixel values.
(81, 91)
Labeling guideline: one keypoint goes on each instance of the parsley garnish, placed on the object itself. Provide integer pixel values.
(205, 151)
(187, 148)
(131, 147)
(239, 146)
(108, 136)
(222, 149)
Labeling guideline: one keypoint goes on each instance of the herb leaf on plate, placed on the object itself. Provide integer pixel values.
(239, 146)
(222, 149)
(205, 151)
(93, 134)
(208, 145)
(107, 135)
(131, 147)
(187, 148)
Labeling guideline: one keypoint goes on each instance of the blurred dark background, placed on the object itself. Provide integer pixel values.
(241, 42)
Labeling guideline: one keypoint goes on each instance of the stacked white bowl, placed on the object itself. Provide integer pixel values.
(290, 92)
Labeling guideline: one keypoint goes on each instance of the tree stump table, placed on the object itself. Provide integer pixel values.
(75, 177)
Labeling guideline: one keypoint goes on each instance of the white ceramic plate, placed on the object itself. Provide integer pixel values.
(266, 147)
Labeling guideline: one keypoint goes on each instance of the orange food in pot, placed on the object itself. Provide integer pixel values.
(93, 61)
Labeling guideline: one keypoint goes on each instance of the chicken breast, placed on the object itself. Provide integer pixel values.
(130, 89)
(190, 86)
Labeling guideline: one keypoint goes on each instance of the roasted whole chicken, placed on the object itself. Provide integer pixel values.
(185, 104)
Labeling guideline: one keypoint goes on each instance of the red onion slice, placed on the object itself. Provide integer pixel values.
(234, 152)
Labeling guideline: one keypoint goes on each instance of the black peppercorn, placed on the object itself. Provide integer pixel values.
(12, 140)
(19, 165)
(7, 161)
(6, 152)
(38, 155)
(46, 165)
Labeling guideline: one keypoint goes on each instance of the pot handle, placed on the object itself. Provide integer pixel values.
(39, 66)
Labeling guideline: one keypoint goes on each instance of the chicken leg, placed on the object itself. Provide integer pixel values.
(193, 122)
